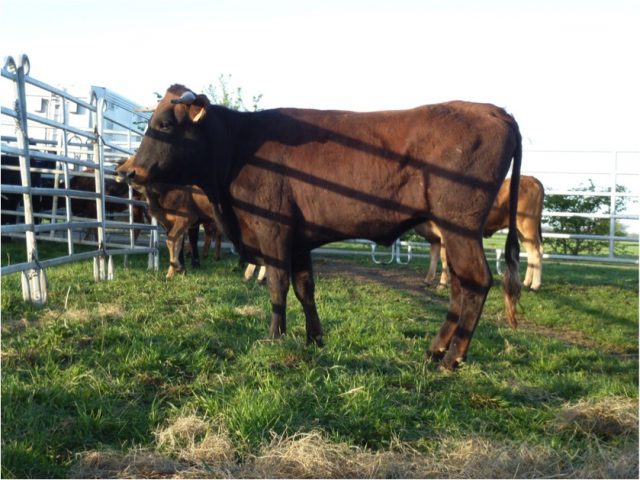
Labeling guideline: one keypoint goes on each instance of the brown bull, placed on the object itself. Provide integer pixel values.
(285, 181)
(528, 219)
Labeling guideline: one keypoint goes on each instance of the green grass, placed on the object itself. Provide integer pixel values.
(127, 357)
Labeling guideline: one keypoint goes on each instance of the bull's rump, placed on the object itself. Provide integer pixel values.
(335, 174)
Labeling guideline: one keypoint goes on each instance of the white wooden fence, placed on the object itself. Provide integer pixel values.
(64, 149)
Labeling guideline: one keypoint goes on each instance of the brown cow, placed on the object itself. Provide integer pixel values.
(528, 222)
(177, 208)
(286, 181)
(85, 207)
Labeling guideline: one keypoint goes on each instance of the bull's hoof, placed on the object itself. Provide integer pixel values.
(315, 340)
(449, 363)
(275, 335)
(195, 263)
(441, 286)
(435, 355)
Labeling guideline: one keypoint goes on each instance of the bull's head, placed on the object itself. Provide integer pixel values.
(173, 142)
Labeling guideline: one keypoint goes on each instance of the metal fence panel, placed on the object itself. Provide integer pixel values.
(47, 146)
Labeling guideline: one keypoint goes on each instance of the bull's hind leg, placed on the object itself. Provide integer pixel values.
(304, 287)
(470, 283)
(440, 344)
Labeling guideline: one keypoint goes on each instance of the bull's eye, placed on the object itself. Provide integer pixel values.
(164, 125)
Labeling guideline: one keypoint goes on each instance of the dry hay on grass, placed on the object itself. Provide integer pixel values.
(196, 440)
(607, 418)
(191, 447)
(249, 311)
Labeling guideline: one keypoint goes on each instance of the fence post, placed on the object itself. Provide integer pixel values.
(100, 265)
(65, 172)
(612, 206)
(34, 284)
(153, 259)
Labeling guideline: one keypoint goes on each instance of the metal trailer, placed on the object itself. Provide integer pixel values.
(64, 149)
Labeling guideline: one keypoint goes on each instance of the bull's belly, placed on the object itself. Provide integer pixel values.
(380, 230)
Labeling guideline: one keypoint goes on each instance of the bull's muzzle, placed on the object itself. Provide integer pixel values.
(125, 175)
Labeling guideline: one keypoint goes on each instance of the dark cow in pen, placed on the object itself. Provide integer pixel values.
(285, 181)
(86, 207)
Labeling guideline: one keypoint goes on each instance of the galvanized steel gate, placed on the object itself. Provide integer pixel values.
(54, 149)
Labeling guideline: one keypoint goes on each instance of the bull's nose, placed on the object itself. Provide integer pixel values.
(125, 175)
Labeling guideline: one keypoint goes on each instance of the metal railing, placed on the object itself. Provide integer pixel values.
(54, 158)
(66, 148)
(611, 169)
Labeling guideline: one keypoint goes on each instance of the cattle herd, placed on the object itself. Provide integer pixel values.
(280, 183)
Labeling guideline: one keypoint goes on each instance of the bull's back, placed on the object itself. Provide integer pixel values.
(455, 142)
(361, 174)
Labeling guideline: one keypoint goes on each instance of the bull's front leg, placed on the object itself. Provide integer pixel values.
(304, 288)
(278, 281)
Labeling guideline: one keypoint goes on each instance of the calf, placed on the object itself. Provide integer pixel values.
(177, 208)
(528, 224)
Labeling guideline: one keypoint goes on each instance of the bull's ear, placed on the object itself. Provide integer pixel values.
(198, 109)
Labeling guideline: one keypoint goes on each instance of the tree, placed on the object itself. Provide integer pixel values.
(581, 225)
(223, 94)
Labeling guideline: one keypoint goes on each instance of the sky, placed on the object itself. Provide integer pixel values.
(567, 70)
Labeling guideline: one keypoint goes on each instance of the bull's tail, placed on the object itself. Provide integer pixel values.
(511, 279)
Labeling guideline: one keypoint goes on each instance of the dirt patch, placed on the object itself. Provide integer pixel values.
(411, 282)
(405, 280)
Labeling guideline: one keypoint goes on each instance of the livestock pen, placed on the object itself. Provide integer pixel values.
(140, 377)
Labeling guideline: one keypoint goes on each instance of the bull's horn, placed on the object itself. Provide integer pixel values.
(145, 109)
(187, 98)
